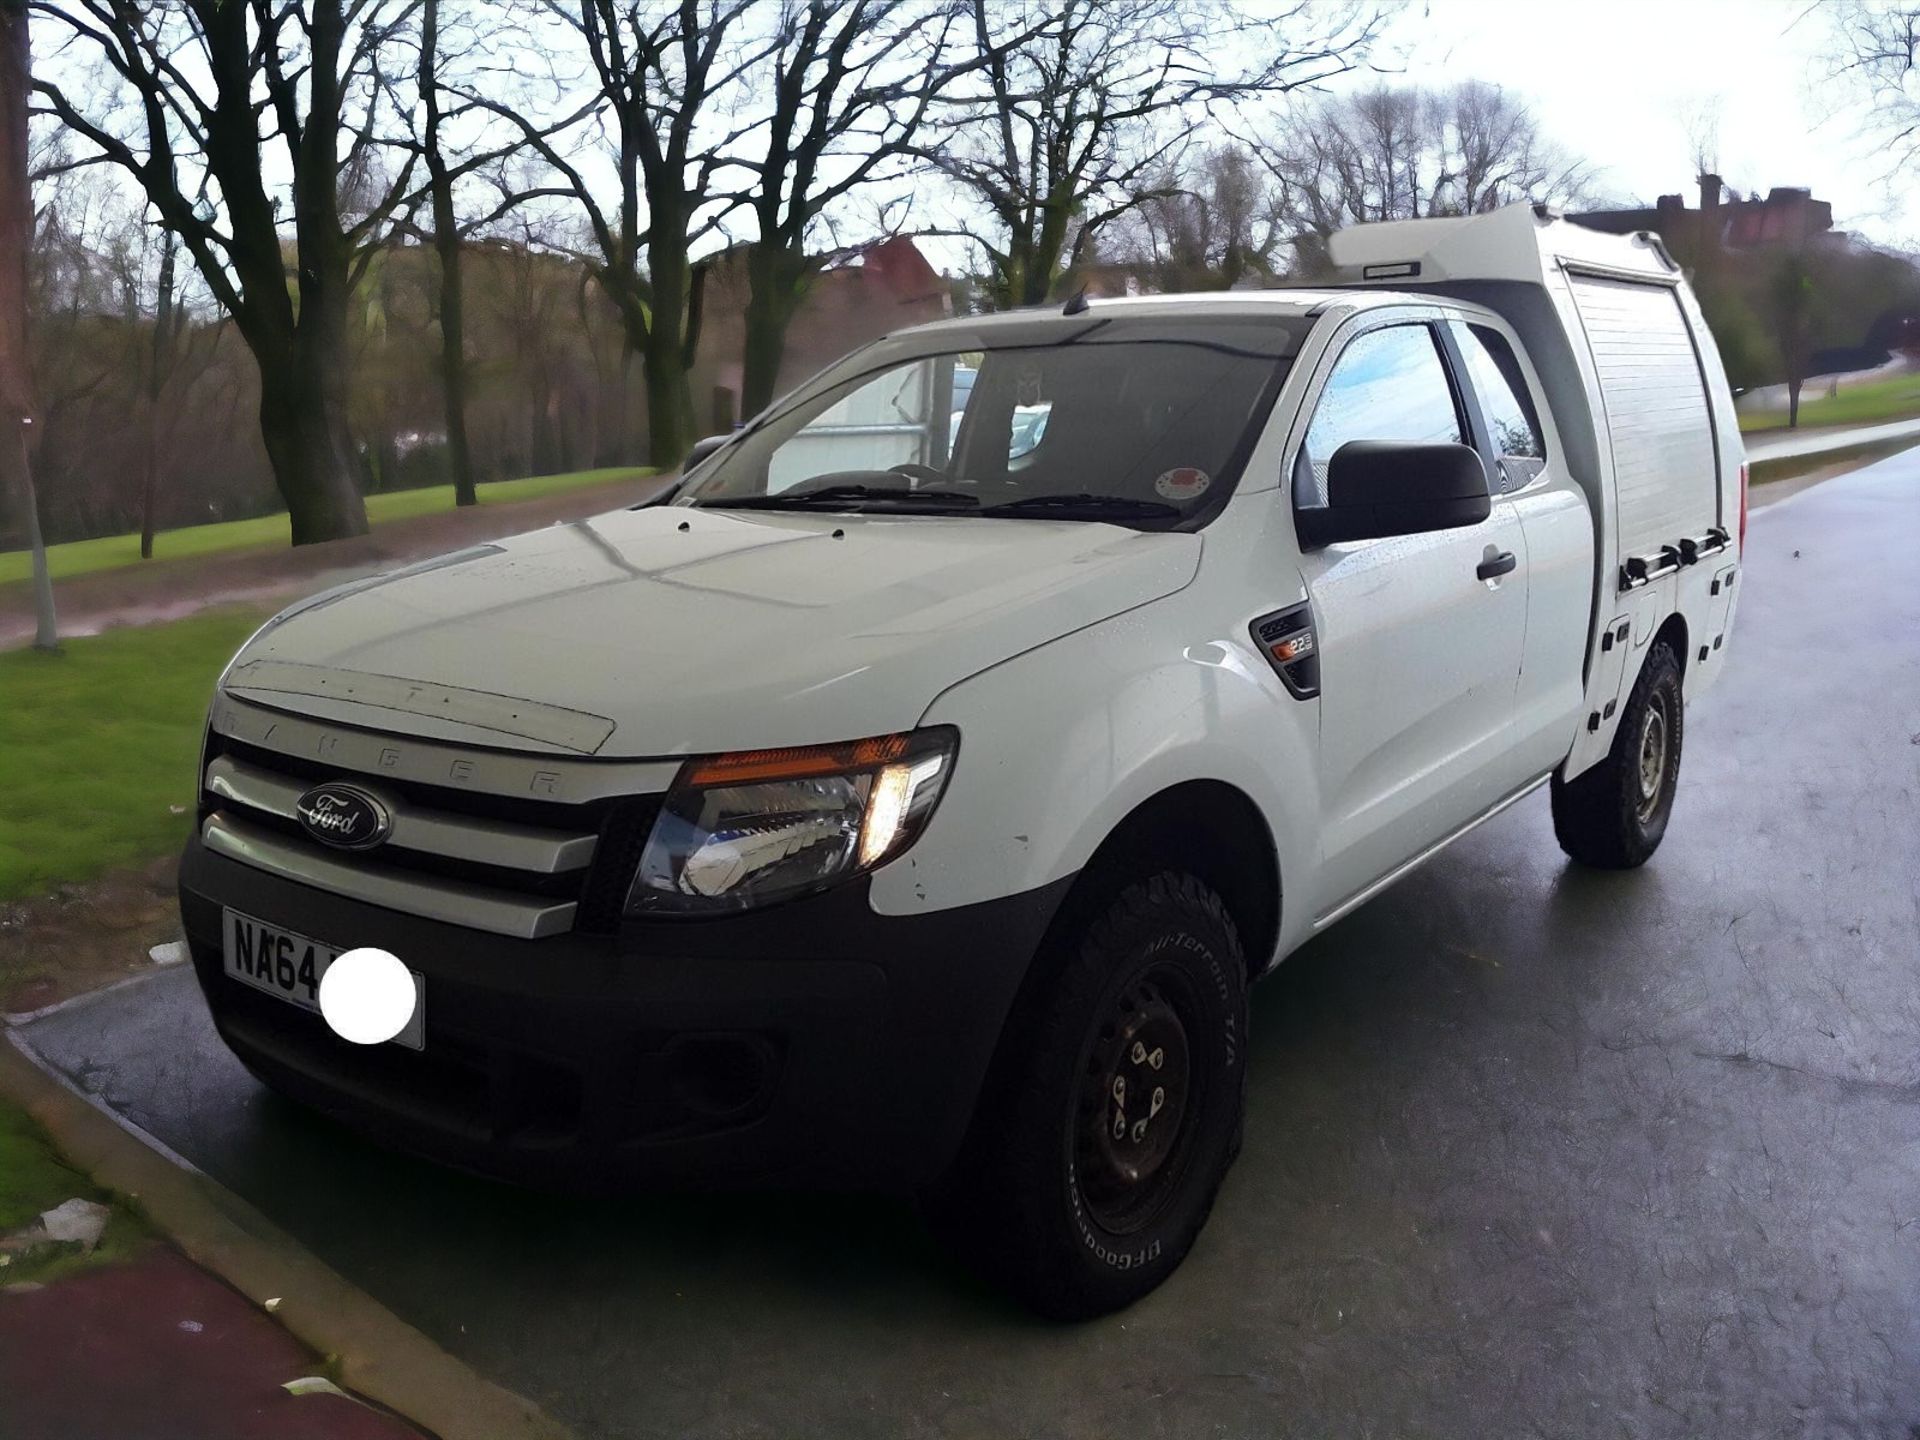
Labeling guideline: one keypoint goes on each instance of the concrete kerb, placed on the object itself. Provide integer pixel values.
(378, 1354)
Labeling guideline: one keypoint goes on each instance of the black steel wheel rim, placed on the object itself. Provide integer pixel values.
(1139, 1097)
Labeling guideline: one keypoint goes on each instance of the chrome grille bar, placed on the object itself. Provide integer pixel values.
(473, 906)
(458, 837)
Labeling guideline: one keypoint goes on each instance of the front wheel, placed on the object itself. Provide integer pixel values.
(1614, 815)
(1114, 1109)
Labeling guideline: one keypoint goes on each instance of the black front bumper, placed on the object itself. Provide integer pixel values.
(812, 1044)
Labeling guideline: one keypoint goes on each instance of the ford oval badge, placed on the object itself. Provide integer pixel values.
(344, 816)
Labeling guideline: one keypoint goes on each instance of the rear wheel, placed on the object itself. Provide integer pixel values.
(1614, 815)
(1114, 1109)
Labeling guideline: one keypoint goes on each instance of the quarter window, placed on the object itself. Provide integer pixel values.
(1508, 404)
(1388, 384)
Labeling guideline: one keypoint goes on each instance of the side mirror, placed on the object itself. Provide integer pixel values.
(701, 450)
(1377, 488)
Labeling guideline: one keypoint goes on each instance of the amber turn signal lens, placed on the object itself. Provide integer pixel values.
(746, 766)
(1294, 647)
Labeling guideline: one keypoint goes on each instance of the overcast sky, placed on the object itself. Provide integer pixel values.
(1614, 80)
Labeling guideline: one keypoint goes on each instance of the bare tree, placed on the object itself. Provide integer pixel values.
(1791, 300)
(157, 351)
(662, 74)
(852, 86)
(1213, 223)
(1874, 46)
(1701, 121)
(1403, 153)
(1069, 124)
(214, 85)
(16, 234)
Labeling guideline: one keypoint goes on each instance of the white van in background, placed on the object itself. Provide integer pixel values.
(911, 804)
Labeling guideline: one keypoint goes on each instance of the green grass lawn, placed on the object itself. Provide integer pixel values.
(99, 742)
(1874, 403)
(33, 1179)
(80, 557)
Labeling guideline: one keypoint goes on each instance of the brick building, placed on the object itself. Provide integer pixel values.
(1789, 216)
(859, 295)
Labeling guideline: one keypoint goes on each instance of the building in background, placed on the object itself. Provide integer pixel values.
(1788, 215)
(856, 296)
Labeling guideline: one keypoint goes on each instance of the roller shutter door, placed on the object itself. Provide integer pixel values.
(1657, 417)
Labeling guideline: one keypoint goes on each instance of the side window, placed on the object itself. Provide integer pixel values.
(1503, 393)
(1388, 384)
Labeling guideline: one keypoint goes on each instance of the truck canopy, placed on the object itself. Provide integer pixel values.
(1631, 373)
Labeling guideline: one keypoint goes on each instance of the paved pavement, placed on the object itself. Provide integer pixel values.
(158, 1349)
(1793, 444)
(1532, 1150)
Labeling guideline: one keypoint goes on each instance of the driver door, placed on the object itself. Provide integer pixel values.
(1420, 636)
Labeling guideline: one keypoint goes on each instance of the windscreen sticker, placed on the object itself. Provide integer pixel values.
(1185, 483)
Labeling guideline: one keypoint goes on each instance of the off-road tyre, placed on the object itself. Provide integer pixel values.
(1614, 815)
(1138, 1018)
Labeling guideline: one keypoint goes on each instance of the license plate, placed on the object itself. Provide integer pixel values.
(289, 967)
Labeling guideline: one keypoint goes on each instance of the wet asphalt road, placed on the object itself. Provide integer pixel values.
(1532, 1150)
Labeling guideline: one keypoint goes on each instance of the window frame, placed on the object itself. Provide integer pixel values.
(1466, 404)
(1250, 335)
(1490, 452)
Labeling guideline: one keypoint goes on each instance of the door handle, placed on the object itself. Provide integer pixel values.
(1496, 564)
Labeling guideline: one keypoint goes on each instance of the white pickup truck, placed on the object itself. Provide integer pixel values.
(909, 801)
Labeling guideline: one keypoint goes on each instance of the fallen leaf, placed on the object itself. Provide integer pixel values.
(314, 1385)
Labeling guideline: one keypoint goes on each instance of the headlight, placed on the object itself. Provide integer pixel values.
(763, 825)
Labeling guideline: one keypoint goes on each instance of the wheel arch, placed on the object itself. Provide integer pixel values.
(1673, 630)
(1208, 828)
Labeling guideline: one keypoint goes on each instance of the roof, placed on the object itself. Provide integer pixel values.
(1211, 304)
(1512, 243)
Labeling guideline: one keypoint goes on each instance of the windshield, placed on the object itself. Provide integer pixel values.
(1148, 431)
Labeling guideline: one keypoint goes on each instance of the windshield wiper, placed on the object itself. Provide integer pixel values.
(1097, 506)
(828, 497)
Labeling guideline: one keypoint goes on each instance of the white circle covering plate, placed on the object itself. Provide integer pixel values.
(367, 996)
(1185, 483)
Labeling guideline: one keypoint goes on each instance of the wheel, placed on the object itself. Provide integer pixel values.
(1114, 1107)
(1614, 815)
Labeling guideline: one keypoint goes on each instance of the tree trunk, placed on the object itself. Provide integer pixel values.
(308, 404)
(1049, 245)
(623, 427)
(777, 278)
(46, 631)
(669, 402)
(446, 245)
(303, 419)
(662, 351)
(453, 355)
(148, 463)
(159, 371)
(16, 234)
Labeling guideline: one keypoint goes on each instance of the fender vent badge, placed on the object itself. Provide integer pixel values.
(1287, 639)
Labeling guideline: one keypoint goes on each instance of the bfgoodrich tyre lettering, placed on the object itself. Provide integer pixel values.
(1114, 1110)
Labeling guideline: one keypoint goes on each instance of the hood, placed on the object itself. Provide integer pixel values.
(671, 630)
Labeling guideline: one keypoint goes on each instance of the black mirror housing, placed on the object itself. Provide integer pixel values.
(1377, 488)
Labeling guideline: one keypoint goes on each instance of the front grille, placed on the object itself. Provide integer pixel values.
(511, 864)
